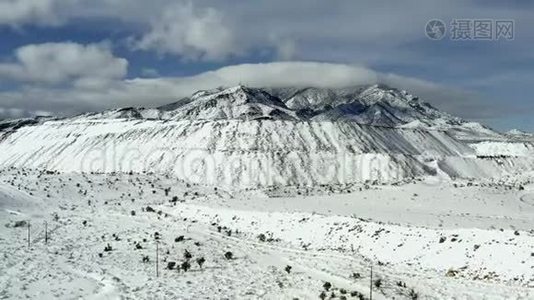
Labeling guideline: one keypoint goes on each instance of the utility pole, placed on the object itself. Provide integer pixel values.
(157, 250)
(46, 233)
(371, 284)
(29, 234)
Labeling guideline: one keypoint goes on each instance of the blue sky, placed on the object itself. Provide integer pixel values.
(69, 56)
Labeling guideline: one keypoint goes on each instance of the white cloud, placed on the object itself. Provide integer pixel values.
(16, 12)
(193, 34)
(279, 74)
(55, 63)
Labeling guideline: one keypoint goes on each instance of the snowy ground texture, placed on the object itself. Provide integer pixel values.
(424, 239)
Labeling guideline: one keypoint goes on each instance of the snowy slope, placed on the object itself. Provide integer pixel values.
(231, 151)
(504, 149)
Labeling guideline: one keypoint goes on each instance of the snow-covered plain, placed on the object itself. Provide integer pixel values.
(436, 240)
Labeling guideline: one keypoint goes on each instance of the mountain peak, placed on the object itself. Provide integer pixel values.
(237, 102)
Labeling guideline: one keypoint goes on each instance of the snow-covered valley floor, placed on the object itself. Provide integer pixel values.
(436, 240)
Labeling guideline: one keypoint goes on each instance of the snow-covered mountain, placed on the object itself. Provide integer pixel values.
(243, 136)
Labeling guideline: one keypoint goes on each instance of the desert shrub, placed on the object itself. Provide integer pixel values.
(171, 265)
(187, 255)
(451, 273)
(201, 261)
(186, 266)
(288, 269)
(20, 224)
(378, 283)
(229, 255)
(179, 239)
(327, 285)
(413, 294)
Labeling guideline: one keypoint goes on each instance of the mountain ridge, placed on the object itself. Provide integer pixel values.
(308, 103)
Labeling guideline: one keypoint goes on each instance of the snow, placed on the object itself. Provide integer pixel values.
(232, 152)
(504, 149)
(488, 241)
(238, 153)
(517, 132)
